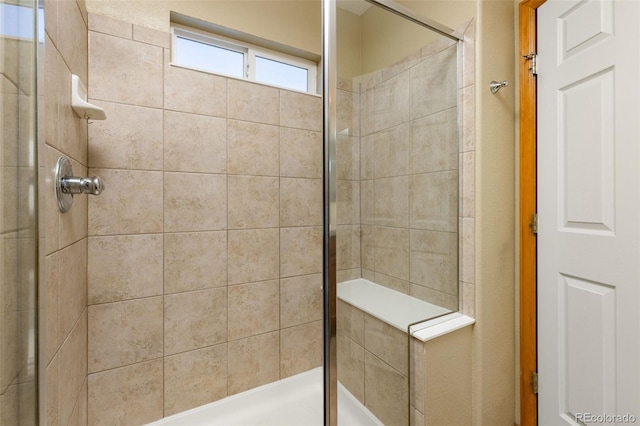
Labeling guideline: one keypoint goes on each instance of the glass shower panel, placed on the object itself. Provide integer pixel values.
(397, 199)
(18, 236)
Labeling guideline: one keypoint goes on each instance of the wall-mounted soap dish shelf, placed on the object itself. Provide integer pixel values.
(79, 102)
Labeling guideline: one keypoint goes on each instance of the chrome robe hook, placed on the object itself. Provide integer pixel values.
(497, 85)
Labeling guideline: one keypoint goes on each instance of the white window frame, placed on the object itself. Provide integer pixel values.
(249, 52)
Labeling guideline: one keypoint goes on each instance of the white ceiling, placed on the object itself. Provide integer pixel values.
(357, 7)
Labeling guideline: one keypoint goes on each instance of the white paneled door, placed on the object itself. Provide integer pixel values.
(589, 212)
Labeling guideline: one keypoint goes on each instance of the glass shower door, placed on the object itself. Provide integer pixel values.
(18, 232)
(396, 214)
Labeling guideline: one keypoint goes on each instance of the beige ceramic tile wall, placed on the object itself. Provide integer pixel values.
(409, 177)
(398, 151)
(348, 191)
(373, 363)
(64, 246)
(205, 251)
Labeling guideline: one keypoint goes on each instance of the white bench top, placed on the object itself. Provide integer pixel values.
(390, 306)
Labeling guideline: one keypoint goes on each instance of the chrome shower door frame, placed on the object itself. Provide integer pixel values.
(329, 285)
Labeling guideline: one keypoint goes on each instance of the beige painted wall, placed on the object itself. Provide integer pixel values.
(447, 393)
(447, 12)
(388, 38)
(260, 18)
(493, 370)
(349, 52)
(378, 39)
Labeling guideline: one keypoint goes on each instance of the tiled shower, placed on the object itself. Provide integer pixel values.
(405, 197)
(203, 258)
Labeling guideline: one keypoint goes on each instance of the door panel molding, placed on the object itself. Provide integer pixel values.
(588, 201)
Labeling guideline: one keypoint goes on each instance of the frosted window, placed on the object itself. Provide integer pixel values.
(197, 49)
(281, 74)
(205, 56)
(17, 21)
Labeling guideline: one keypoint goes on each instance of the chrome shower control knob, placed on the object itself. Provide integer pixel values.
(68, 185)
(93, 185)
(82, 185)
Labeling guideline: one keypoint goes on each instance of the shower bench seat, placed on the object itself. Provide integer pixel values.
(423, 320)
